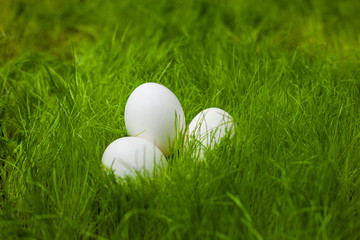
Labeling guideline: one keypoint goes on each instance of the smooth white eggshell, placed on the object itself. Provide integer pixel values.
(130, 156)
(209, 127)
(150, 114)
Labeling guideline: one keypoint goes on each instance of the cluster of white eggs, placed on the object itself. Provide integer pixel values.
(155, 121)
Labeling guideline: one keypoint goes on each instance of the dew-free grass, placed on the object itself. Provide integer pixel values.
(287, 71)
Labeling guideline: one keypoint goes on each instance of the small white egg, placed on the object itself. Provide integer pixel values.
(130, 156)
(154, 113)
(208, 129)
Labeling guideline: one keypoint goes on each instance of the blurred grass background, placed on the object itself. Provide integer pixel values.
(50, 26)
(288, 71)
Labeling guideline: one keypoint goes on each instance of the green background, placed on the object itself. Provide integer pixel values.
(287, 71)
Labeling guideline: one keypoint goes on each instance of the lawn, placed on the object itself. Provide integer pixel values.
(287, 71)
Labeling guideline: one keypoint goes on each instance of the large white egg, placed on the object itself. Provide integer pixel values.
(154, 113)
(208, 128)
(130, 156)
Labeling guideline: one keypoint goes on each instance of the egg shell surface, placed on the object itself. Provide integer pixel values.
(129, 156)
(154, 113)
(209, 127)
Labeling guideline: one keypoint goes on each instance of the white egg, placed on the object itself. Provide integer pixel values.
(154, 113)
(130, 156)
(208, 128)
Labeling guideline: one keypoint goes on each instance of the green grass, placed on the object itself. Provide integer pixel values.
(287, 71)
